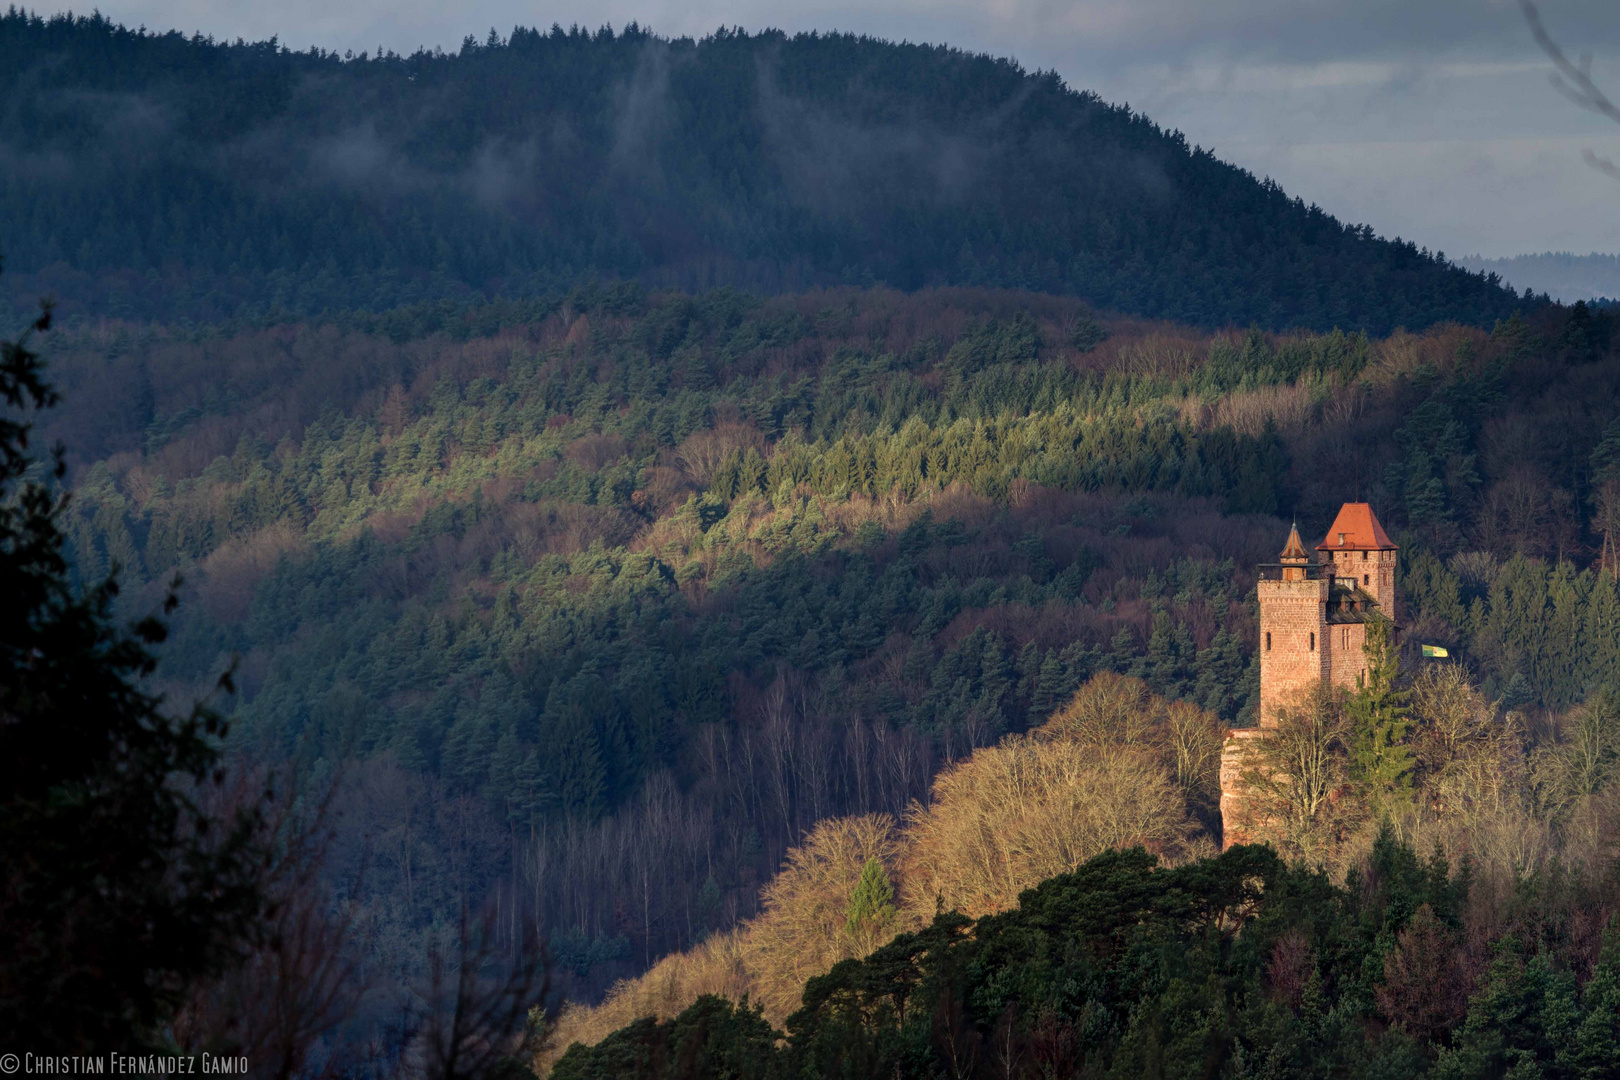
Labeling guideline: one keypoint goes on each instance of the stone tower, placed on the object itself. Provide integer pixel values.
(1313, 616)
(1293, 628)
(1313, 631)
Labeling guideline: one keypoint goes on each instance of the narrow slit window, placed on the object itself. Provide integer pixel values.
(1313, 641)
(1268, 641)
(1366, 579)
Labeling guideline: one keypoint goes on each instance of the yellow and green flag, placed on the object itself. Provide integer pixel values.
(1435, 650)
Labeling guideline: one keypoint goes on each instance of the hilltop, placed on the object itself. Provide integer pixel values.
(170, 176)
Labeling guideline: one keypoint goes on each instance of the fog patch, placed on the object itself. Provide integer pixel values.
(502, 176)
(838, 165)
(357, 158)
(643, 116)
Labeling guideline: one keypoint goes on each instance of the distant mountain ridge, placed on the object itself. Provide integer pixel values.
(160, 175)
(1560, 274)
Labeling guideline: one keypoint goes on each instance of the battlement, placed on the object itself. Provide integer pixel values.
(1294, 572)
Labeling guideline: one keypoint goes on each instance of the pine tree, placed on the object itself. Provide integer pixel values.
(1382, 760)
(1427, 507)
(1518, 693)
(1049, 686)
(1594, 1049)
(871, 908)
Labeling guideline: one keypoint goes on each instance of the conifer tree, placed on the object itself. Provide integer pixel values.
(871, 906)
(1381, 759)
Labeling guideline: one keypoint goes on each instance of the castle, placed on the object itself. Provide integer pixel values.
(1313, 629)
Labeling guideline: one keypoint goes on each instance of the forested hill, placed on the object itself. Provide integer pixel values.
(160, 175)
(618, 596)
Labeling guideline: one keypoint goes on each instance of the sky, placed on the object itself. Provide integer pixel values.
(1431, 120)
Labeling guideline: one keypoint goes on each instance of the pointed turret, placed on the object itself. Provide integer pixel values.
(1294, 550)
(1293, 557)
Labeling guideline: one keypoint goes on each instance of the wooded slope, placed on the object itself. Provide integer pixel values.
(155, 174)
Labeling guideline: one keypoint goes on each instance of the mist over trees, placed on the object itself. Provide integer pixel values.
(159, 175)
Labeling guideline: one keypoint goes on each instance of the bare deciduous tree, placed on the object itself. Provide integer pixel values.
(1453, 717)
(1295, 771)
(301, 979)
(806, 906)
(1019, 812)
(1425, 989)
(484, 1016)
(1110, 709)
(1194, 737)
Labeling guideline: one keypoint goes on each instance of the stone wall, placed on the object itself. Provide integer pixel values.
(1374, 571)
(1347, 654)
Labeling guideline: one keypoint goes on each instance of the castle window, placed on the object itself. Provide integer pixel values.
(1366, 579)
(1313, 641)
(1268, 641)
(1364, 556)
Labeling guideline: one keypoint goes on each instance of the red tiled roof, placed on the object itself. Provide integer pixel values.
(1359, 528)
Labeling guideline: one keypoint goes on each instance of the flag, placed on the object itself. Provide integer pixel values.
(1435, 650)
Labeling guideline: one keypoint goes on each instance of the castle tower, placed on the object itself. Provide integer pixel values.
(1360, 552)
(1359, 555)
(1313, 632)
(1293, 629)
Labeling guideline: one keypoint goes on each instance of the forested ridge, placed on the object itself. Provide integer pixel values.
(600, 603)
(153, 174)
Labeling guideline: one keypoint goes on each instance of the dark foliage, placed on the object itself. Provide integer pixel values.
(712, 1038)
(1233, 966)
(116, 892)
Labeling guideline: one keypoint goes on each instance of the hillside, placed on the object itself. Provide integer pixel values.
(1114, 767)
(620, 594)
(1018, 924)
(1236, 965)
(155, 175)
